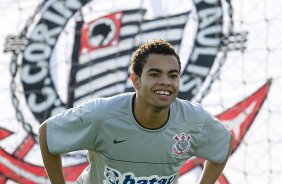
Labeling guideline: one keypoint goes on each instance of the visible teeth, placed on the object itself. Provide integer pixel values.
(163, 92)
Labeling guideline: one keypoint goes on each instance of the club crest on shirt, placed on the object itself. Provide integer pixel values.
(182, 144)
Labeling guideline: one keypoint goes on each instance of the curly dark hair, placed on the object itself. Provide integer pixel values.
(154, 46)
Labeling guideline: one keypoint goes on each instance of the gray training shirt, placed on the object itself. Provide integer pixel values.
(121, 151)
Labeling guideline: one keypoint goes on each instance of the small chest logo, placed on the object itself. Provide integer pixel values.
(182, 144)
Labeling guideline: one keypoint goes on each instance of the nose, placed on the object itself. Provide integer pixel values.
(164, 80)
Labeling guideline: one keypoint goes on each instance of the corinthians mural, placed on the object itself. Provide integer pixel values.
(68, 53)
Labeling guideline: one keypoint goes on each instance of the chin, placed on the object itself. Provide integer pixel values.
(162, 105)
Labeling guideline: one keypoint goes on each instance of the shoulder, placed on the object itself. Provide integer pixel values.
(113, 101)
(185, 104)
(188, 110)
(192, 113)
(115, 104)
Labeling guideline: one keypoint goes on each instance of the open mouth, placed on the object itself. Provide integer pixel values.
(163, 92)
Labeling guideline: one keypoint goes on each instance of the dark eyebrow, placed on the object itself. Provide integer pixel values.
(159, 71)
(174, 71)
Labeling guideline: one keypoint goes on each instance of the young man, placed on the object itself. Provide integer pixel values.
(138, 138)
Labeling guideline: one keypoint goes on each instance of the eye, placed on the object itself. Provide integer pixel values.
(173, 76)
(154, 74)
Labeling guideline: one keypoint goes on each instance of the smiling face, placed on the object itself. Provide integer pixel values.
(158, 85)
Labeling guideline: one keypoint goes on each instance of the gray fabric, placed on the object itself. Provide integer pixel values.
(122, 151)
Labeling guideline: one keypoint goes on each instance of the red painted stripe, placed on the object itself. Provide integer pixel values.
(4, 133)
(24, 147)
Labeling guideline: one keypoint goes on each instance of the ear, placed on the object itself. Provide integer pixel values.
(135, 79)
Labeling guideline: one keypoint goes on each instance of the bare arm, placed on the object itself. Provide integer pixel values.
(52, 163)
(212, 170)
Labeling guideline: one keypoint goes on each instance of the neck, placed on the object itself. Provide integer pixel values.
(150, 117)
